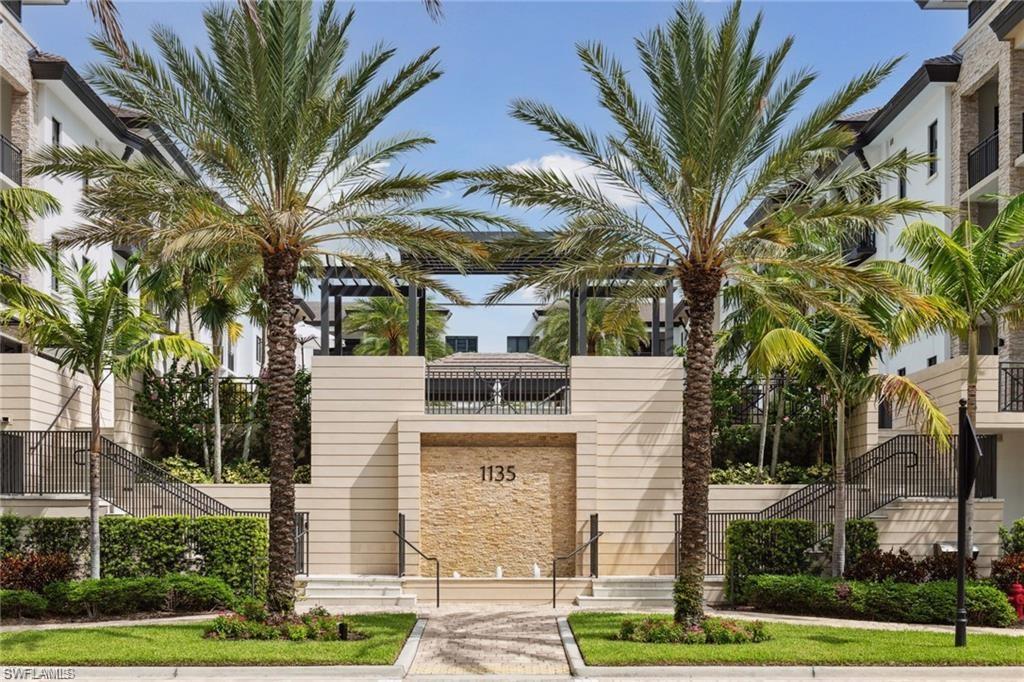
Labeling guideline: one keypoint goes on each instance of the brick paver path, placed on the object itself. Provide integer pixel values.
(506, 642)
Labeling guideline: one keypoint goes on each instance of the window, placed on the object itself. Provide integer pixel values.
(933, 360)
(54, 281)
(518, 344)
(884, 414)
(902, 371)
(461, 344)
(902, 190)
(933, 148)
(259, 349)
(231, 357)
(55, 129)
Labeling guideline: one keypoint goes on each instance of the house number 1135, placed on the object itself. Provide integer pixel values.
(498, 473)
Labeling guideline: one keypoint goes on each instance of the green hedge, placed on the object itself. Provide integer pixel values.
(933, 602)
(861, 539)
(231, 548)
(777, 546)
(120, 596)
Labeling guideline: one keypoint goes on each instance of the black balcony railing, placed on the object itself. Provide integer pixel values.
(10, 159)
(7, 271)
(976, 9)
(14, 7)
(1011, 386)
(498, 390)
(858, 249)
(983, 160)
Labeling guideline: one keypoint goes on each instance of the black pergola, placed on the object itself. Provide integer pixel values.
(340, 282)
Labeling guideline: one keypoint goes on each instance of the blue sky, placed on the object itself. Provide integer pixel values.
(492, 52)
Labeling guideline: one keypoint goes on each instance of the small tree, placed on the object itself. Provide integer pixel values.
(18, 206)
(100, 332)
(614, 327)
(384, 323)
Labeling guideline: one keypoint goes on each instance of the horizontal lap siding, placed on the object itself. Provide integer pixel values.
(353, 498)
(637, 404)
(33, 389)
(917, 524)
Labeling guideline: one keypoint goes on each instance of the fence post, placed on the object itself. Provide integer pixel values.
(401, 544)
(593, 547)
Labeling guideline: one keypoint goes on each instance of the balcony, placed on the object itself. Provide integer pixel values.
(1011, 386)
(510, 390)
(856, 251)
(976, 9)
(983, 160)
(7, 271)
(14, 7)
(10, 160)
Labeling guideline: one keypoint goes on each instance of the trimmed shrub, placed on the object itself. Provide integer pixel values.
(117, 596)
(933, 602)
(943, 567)
(22, 603)
(57, 535)
(652, 630)
(776, 546)
(33, 571)
(1011, 540)
(1007, 570)
(234, 549)
(879, 566)
(861, 538)
(317, 624)
(149, 546)
(10, 533)
(196, 593)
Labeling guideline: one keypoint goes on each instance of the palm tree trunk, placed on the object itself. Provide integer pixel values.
(217, 351)
(780, 402)
(94, 486)
(839, 476)
(701, 288)
(280, 269)
(972, 412)
(763, 442)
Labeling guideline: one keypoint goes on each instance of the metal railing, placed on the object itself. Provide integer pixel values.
(7, 271)
(983, 160)
(595, 535)
(402, 542)
(975, 10)
(1011, 386)
(904, 466)
(498, 390)
(857, 249)
(10, 159)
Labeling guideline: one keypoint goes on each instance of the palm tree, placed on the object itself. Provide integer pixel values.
(976, 271)
(279, 124)
(384, 323)
(18, 252)
(705, 177)
(612, 329)
(836, 353)
(100, 332)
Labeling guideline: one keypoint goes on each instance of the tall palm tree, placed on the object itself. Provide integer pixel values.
(18, 206)
(836, 353)
(384, 323)
(612, 329)
(100, 332)
(279, 122)
(709, 173)
(976, 271)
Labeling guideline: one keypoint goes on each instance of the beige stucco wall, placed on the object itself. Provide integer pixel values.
(33, 389)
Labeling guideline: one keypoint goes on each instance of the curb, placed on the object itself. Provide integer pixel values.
(395, 671)
(579, 668)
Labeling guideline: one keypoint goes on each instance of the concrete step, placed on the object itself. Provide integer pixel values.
(404, 600)
(352, 591)
(630, 582)
(621, 603)
(646, 592)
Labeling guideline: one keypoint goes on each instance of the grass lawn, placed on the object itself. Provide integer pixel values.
(183, 644)
(795, 645)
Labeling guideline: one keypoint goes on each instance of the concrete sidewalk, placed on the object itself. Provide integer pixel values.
(859, 624)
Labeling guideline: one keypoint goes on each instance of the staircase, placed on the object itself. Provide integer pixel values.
(624, 593)
(904, 466)
(345, 591)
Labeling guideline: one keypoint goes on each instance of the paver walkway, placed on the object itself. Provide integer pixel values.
(518, 641)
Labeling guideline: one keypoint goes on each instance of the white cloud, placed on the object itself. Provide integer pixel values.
(577, 169)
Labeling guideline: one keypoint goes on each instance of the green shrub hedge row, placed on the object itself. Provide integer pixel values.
(933, 602)
(231, 548)
(119, 596)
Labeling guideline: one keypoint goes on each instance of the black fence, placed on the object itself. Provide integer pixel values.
(498, 390)
(1011, 386)
(904, 466)
(10, 159)
(983, 160)
(858, 248)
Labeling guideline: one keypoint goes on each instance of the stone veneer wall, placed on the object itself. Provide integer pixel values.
(14, 68)
(474, 523)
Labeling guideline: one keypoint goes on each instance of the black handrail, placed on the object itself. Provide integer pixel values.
(437, 565)
(1011, 386)
(498, 390)
(554, 565)
(53, 423)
